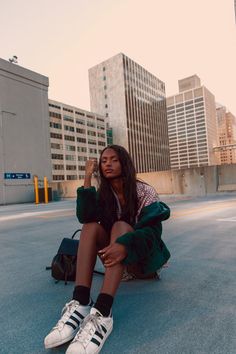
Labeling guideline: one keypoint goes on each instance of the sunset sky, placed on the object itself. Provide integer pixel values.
(170, 38)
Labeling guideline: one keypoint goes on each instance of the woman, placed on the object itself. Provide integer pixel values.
(122, 224)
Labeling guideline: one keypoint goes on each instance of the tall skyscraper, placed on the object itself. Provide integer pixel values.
(133, 100)
(227, 135)
(192, 125)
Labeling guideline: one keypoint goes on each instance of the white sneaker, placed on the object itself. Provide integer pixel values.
(92, 334)
(66, 328)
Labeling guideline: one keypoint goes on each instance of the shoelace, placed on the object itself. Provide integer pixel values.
(89, 325)
(66, 313)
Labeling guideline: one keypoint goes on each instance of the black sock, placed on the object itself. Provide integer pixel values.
(104, 303)
(82, 294)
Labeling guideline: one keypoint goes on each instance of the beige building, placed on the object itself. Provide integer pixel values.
(192, 125)
(75, 136)
(133, 100)
(227, 136)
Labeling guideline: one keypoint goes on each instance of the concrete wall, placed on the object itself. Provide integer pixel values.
(24, 131)
(192, 181)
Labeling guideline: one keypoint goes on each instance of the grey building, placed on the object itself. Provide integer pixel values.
(24, 132)
(134, 102)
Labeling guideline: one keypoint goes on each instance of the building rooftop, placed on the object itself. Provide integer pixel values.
(190, 310)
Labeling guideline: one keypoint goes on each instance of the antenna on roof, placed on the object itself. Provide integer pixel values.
(13, 59)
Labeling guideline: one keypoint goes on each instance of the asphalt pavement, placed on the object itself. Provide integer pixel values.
(191, 310)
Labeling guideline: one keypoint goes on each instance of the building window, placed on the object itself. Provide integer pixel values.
(81, 140)
(56, 146)
(79, 113)
(69, 128)
(71, 177)
(57, 156)
(69, 138)
(81, 131)
(58, 167)
(68, 119)
(104, 69)
(68, 110)
(70, 167)
(56, 136)
(69, 147)
(55, 115)
(58, 178)
(55, 125)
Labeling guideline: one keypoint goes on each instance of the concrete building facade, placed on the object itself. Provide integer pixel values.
(192, 125)
(134, 102)
(24, 132)
(75, 136)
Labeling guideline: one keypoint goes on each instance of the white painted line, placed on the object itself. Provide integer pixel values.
(227, 219)
(35, 213)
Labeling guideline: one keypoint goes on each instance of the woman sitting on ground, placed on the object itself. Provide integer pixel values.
(122, 224)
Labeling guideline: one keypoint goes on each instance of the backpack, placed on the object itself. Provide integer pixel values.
(63, 265)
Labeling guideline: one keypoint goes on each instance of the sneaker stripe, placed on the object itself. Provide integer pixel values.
(95, 341)
(75, 319)
(79, 314)
(99, 334)
(104, 329)
(71, 324)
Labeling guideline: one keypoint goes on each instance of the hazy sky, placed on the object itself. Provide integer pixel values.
(172, 39)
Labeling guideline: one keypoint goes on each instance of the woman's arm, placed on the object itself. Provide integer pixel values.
(86, 207)
(146, 238)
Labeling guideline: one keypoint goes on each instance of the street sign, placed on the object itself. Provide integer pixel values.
(17, 175)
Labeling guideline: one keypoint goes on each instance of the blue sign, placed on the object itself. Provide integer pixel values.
(12, 175)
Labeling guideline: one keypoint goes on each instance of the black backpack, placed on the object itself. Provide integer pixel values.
(63, 266)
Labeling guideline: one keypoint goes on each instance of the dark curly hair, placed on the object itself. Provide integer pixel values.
(107, 201)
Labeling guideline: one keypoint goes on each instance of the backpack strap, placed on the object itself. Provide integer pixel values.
(75, 233)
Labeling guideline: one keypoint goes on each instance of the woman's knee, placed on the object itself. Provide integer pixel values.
(119, 228)
(93, 231)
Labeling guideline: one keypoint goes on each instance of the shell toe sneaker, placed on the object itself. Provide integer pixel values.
(92, 334)
(66, 328)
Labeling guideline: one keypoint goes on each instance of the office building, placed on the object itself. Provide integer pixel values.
(133, 100)
(192, 125)
(24, 132)
(75, 136)
(226, 122)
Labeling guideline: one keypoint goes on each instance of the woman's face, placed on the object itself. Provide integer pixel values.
(110, 164)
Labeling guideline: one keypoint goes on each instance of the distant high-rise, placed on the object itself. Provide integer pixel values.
(134, 102)
(235, 9)
(192, 125)
(227, 135)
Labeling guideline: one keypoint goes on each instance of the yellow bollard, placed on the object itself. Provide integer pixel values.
(36, 189)
(45, 181)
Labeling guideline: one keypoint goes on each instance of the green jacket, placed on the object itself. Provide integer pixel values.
(144, 245)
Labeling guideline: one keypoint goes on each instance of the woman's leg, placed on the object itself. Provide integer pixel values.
(92, 238)
(99, 324)
(113, 275)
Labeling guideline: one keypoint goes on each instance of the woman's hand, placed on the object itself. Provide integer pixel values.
(90, 167)
(113, 254)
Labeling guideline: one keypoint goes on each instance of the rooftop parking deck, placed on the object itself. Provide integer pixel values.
(191, 310)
